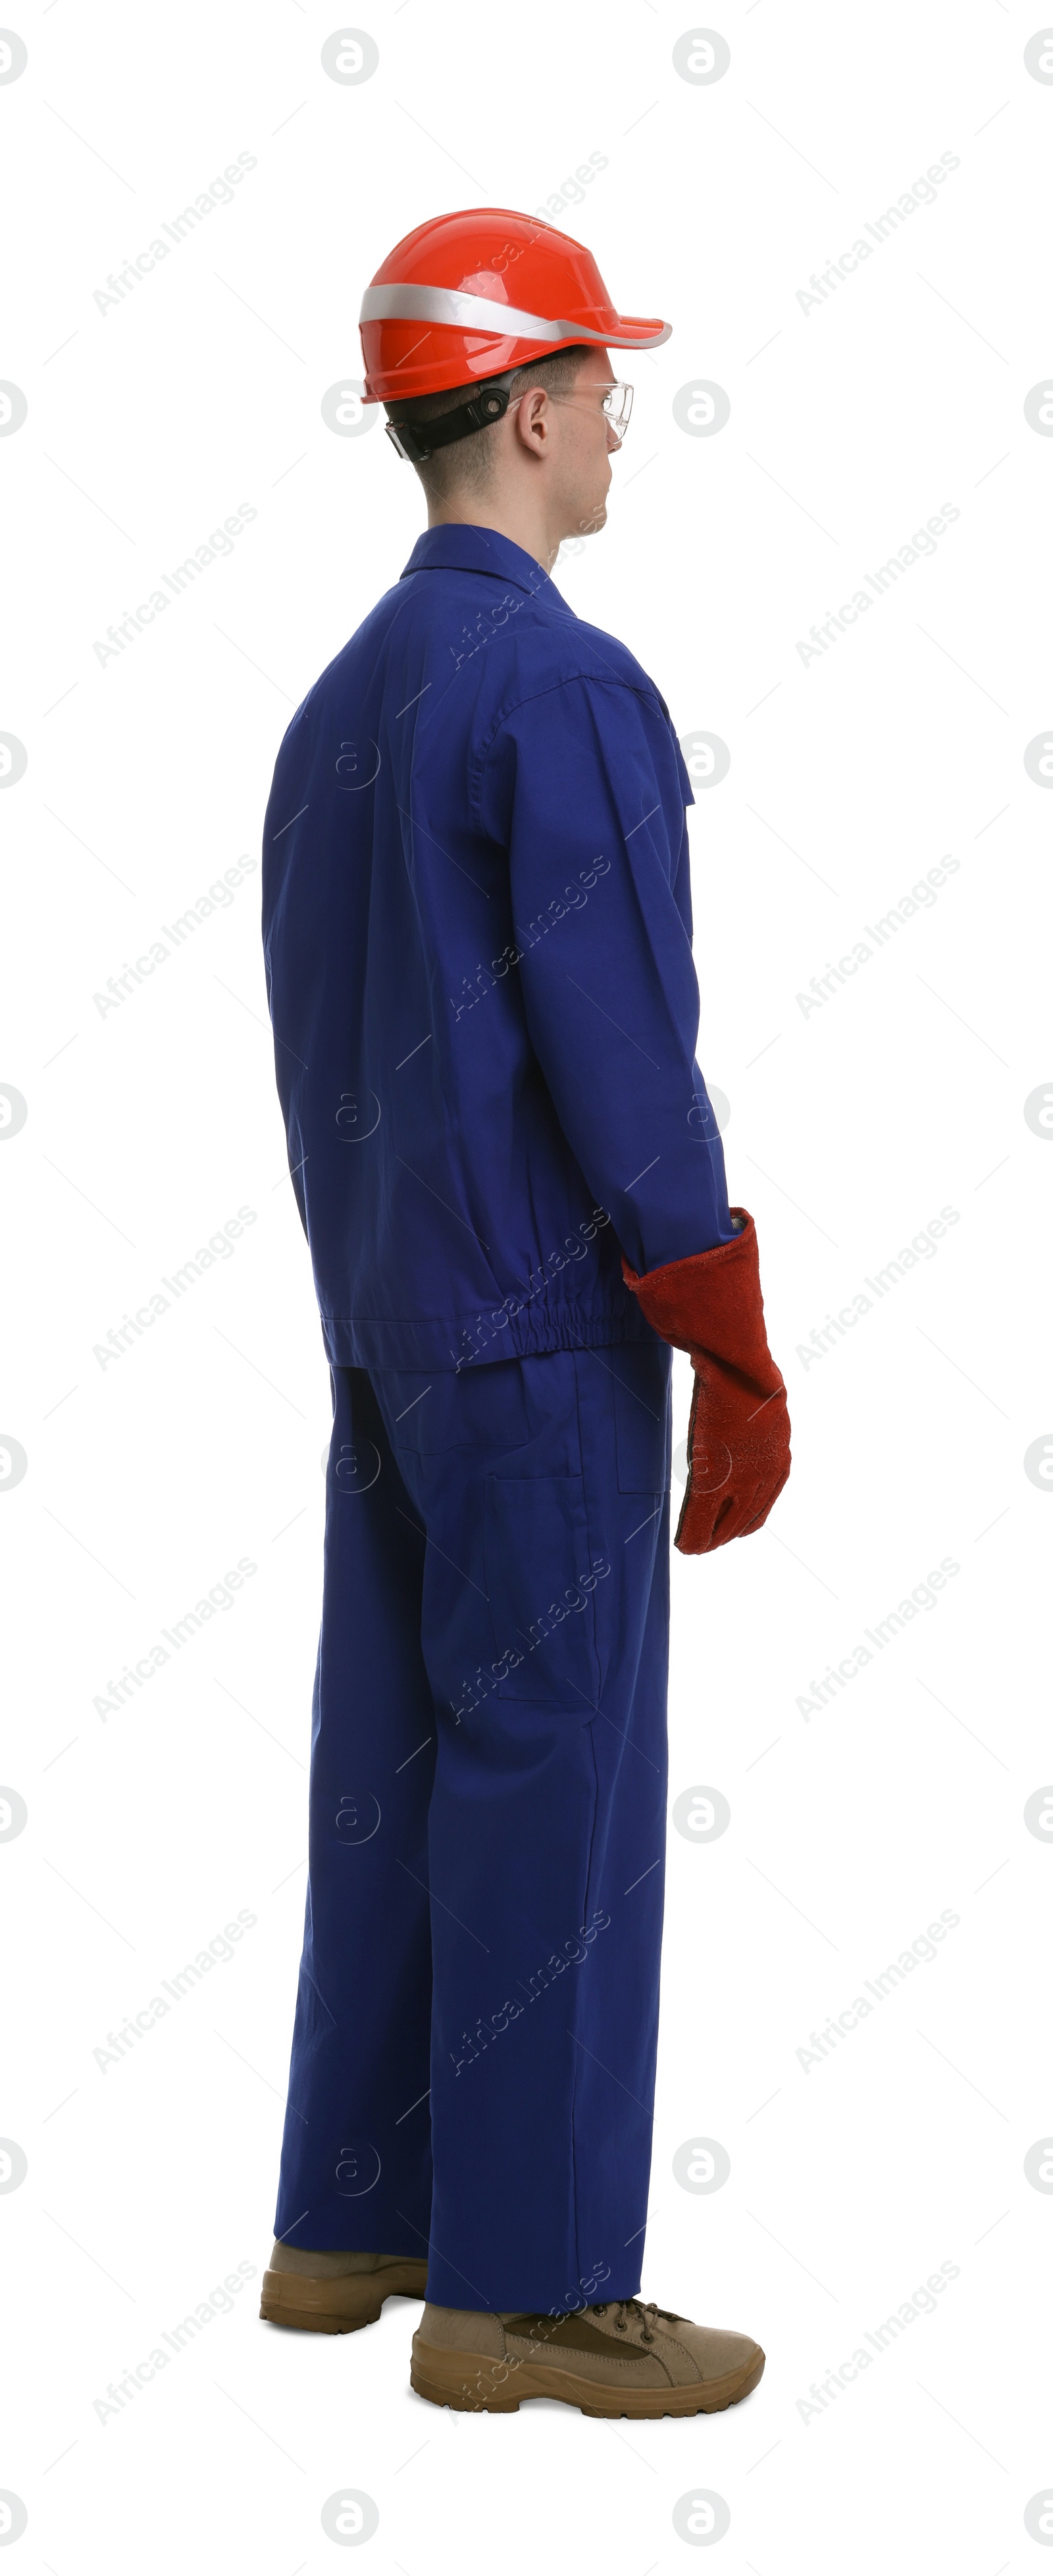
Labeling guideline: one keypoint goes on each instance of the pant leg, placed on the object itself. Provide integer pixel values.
(356, 2159)
(543, 1487)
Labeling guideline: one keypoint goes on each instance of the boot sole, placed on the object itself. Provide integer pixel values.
(467, 2382)
(329, 2307)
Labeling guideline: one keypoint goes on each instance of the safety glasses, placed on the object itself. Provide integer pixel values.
(617, 404)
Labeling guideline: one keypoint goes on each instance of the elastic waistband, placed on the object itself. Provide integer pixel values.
(471, 1341)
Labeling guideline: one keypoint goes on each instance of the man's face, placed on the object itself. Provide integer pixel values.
(584, 443)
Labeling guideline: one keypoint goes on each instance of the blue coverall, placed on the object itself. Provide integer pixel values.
(477, 930)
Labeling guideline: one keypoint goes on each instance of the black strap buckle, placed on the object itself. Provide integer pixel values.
(416, 441)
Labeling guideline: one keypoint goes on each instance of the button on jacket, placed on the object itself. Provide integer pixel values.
(477, 930)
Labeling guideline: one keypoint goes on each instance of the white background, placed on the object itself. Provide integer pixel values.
(851, 1127)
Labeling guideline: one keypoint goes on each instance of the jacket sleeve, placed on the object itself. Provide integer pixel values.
(584, 785)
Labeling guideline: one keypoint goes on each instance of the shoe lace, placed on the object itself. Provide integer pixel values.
(643, 2312)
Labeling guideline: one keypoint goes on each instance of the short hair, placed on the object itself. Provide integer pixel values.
(469, 463)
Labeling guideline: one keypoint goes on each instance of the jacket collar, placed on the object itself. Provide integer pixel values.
(453, 548)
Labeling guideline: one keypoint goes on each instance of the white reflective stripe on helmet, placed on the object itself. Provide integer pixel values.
(481, 312)
(464, 312)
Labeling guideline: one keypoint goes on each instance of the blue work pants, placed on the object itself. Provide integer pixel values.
(474, 2049)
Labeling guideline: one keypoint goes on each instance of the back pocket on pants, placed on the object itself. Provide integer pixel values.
(541, 1578)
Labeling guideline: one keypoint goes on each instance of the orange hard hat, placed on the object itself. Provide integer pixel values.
(472, 295)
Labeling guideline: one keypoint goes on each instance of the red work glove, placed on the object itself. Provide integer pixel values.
(738, 1441)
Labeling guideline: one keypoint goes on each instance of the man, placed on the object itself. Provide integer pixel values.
(477, 929)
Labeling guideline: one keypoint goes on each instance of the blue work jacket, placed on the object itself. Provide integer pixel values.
(477, 931)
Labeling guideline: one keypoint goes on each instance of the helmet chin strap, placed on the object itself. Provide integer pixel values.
(415, 441)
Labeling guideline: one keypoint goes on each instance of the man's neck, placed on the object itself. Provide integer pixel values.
(523, 524)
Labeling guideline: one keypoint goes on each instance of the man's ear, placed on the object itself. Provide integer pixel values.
(534, 420)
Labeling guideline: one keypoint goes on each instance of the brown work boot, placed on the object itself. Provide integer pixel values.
(618, 2359)
(336, 2293)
